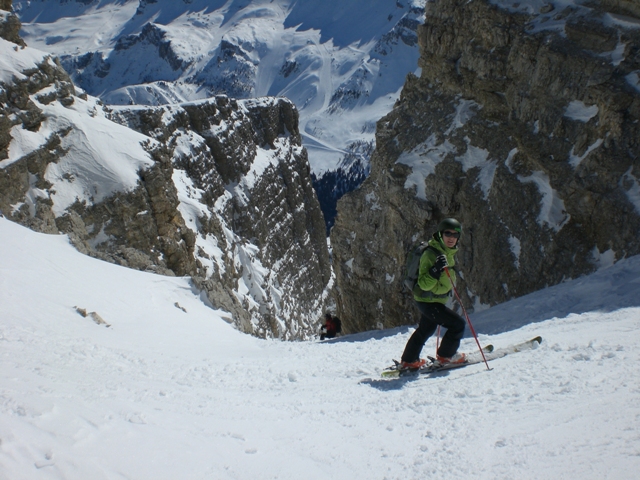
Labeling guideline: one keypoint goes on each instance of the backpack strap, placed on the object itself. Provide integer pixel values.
(433, 249)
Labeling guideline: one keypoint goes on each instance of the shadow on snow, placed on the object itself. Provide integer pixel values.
(368, 335)
(609, 289)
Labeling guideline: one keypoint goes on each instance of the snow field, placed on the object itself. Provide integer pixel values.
(170, 390)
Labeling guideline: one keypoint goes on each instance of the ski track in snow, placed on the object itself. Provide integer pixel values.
(170, 390)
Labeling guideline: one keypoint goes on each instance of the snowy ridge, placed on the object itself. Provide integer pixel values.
(194, 398)
(12, 63)
(101, 158)
(342, 75)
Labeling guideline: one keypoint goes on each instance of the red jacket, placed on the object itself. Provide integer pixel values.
(330, 326)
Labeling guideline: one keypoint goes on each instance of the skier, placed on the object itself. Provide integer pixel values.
(330, 327)
(431, 294)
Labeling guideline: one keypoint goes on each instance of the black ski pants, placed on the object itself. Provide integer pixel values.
(432, 315)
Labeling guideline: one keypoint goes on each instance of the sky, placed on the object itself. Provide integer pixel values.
(153, 383)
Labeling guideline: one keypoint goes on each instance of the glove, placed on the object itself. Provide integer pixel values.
(438, 267)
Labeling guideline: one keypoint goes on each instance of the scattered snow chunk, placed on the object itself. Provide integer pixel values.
(621, 21)
(509, 161)
(574, 160)
(423, 160)
(349, 263)
(478, 157)
(617, 54)
(634, 80)
(552, 210)
(577, 110)
(136, 418)
(464, 112)
(515, 249)
(604, 259)
(100, 238)
(633, 193)
(373, 199)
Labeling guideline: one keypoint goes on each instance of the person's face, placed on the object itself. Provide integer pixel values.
(450, 238)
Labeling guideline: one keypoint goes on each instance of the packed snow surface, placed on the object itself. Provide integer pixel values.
(157, 385)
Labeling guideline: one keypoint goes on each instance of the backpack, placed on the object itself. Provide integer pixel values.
(338, 324)
(412, 265)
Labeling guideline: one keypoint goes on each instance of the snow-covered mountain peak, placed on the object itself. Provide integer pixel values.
(341, 63)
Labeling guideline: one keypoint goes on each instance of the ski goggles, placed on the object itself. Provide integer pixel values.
(447, 233)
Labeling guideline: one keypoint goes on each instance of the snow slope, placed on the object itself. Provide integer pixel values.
(342, 63)
(170, 390)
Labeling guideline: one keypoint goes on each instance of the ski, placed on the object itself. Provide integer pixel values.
(515, 348)
(395, 370)
(472, 359)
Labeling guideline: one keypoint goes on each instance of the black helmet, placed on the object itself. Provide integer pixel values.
(450, 224)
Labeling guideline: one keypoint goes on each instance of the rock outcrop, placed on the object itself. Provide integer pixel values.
(524, 125)
(219, 190)
(258, 227)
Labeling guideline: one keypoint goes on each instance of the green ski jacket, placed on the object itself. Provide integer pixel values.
(428, 289)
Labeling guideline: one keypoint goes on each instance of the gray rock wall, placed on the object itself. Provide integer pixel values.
(524, 126)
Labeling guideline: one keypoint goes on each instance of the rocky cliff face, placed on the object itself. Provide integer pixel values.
(218, 189)
(524, 125)
(244, 189)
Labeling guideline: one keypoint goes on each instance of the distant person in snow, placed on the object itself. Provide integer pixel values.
(432, 290)
(332, 326)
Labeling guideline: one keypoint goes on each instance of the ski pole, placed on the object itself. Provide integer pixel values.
(446, 269)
